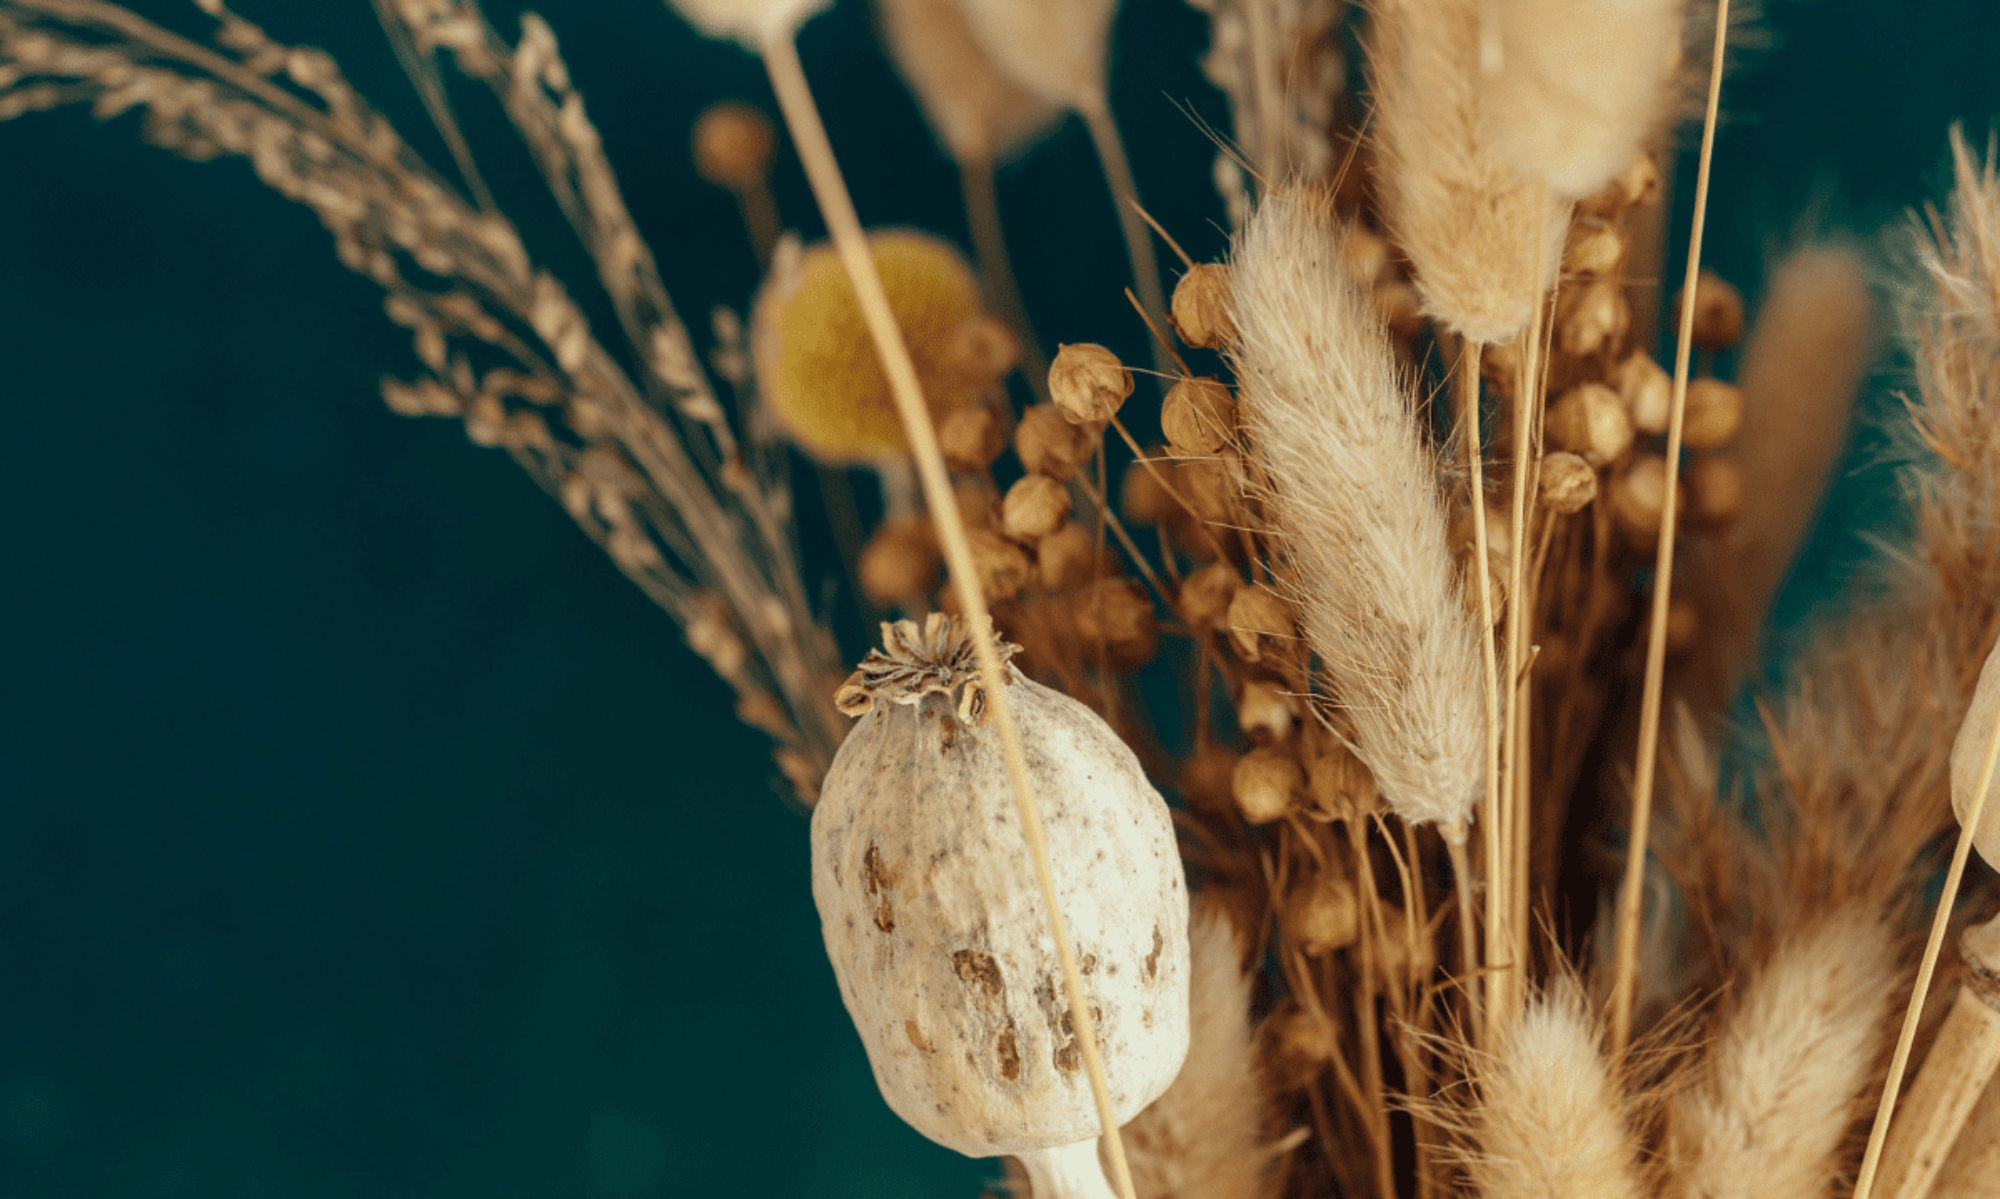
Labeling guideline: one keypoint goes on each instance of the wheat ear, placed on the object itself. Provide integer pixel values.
(1353, 492)
(781, 61)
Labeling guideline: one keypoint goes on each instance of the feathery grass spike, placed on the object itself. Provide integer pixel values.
(1353, 492)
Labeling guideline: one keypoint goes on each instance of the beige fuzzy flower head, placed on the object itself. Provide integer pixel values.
(751, 22)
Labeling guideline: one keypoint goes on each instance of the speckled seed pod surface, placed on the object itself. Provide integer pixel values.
(934, 920)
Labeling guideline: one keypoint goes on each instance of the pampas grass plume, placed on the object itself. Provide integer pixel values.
(1485, 240)
(1551, 1120)
(1791, 1065)
(1353, 491)
(1580, 87)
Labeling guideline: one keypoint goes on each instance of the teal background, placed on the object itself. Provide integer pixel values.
(362, 832)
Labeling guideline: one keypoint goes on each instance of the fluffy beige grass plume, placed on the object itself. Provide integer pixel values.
(1353, 492)
(1484, 239)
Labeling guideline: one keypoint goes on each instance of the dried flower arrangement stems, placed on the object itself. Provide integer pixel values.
(1981, 728)
(822, 170)
(1958, 1068)
(1625, 970)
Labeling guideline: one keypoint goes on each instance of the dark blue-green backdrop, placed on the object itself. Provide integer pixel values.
(362, 832)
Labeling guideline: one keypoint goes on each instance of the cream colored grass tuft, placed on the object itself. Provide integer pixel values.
(1551, 1120)
(1353, 491)
(1792, 1065)
(1581, 86)
(1485, 240)
(1203, 1139)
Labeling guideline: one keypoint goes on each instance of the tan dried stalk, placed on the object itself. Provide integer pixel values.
(1353, 493)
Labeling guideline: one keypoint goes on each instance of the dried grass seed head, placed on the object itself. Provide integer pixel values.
(1353, 493)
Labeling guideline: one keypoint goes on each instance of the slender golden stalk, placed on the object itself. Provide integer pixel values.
(1625, 974)
(1489, 661)
(788, 80)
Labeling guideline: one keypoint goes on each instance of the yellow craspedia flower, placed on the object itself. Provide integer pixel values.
(816, 363)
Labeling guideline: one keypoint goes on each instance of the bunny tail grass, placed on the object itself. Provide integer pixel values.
(1484, 239)
(1580, 86)
(1203, 1139)
(1791, 1065)
(1550, 1120)
(1353, 491)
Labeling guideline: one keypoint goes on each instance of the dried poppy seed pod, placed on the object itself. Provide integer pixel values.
(1035, 507)
(1049, 444)
(933, 917)
(1590, 422)
(1198, 416)
(1200, 307)
(1568, 483)
(1088, 383)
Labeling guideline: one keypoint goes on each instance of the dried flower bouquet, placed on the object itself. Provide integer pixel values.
(1429, 606)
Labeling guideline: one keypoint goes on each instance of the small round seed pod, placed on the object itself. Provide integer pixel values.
(981, 350)
(1035, 507)
(1298, 1043)
(1639, 495)
(973, 438)
(1266, 711)
(1200, 307)
(1261, 625)
(1718, 312)
(1265, 784)
(1323, 916)
(933, 917)
(1049, 444)
(1117, 614)
(1590, 422)
(1002, 566)
(733, 145)
(1208, 487)
(1594, 318)
(1648, 392)
(1595, 247)
(1065, 558)
(1341, 786)
(1715, 490)
(899, 565)
(1714, 414)
(1198, 416)
(1401, 963)
(1088, 383)
(1206, 593)
(1142, 497)
(1568, 483)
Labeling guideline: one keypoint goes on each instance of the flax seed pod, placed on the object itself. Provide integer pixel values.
(1002, 565)
(1639, 496)
(1341, 786)
(1206, 594)
(1322, 915)
(1198, 416)
(1261, 625)
(1066, 558)
(1716, 489)
(1718, 312)
(1714, 414)
(1050, 444)
(1035, 506)
(1648, 392)
(1568, 483)
(1266, 711)
(899, 565)
(1590, 421)
(973, 438)
(1200, 309)
(1088, 383)
(1266, 784)
(1117, 615)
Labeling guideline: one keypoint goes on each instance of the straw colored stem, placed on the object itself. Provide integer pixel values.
(1118, 175)
(989, 243)
(1468, 375)
(1920, 991)
(1625, 974)
(788, 80)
